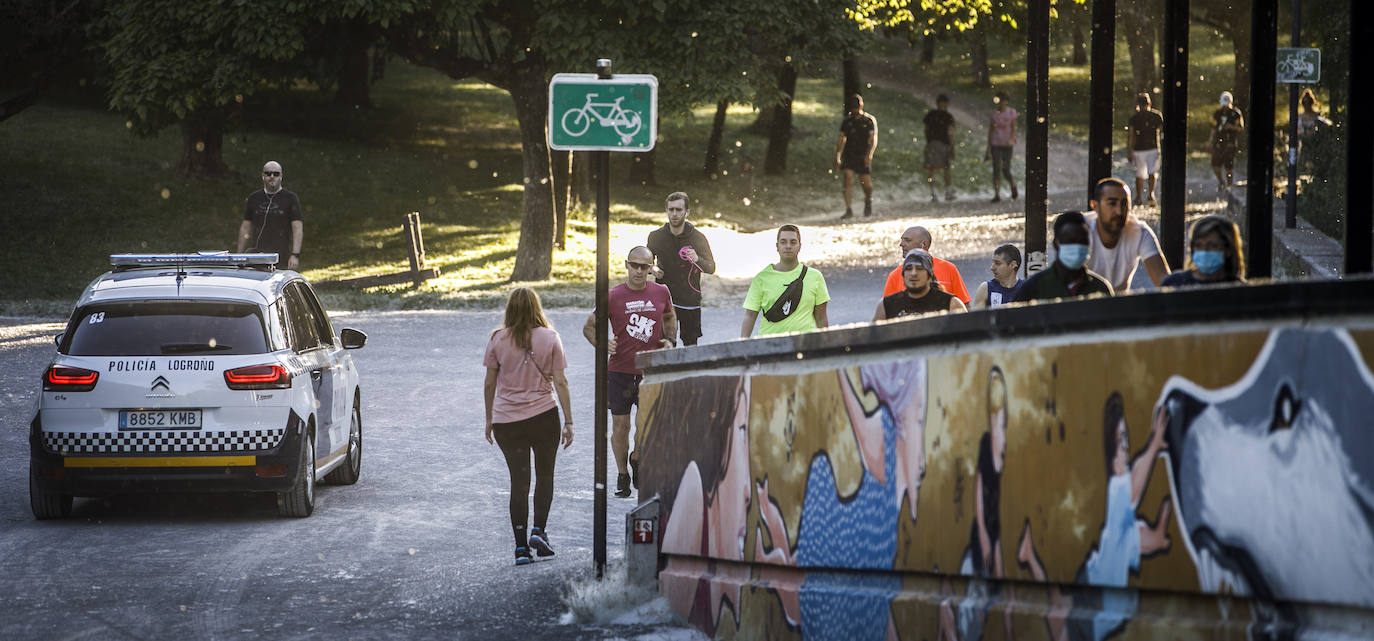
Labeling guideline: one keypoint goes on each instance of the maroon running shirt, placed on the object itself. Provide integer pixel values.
(636, 322)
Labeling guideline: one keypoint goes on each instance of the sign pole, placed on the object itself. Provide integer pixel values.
(1290, 215)
(603, 239)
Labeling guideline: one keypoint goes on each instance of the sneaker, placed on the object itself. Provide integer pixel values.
(522, 556)
(848, 213)
(949, 196)
(540, 542)
(868, 209)
(1014, 194)
(997, 198)
(622, 486)
(1151, 202)
(934, 198)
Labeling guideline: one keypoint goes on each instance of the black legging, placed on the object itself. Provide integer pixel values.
(540, 434)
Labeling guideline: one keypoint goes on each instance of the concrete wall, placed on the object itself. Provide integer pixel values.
(1186, 465)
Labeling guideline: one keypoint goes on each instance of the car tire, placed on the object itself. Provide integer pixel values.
(299, 501)
(45, 504)
(347, 474)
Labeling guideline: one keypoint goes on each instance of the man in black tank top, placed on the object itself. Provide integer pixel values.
(922, 294)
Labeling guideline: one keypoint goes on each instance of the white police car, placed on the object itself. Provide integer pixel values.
(197, 372)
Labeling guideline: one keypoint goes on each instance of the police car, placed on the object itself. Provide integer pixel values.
(197, 372)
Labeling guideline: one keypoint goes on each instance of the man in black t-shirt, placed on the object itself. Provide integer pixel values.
(939, 145)
(1142, 145)
(682, 255)
(922, 294)
(1227, 125)
(854, 152)
(273, 220)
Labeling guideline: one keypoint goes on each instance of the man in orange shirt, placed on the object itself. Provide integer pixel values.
(946, 273)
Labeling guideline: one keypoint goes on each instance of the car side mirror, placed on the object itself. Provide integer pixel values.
(352, 338)
(57, 339)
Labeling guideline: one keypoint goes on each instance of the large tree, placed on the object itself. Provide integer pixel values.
(40, 40)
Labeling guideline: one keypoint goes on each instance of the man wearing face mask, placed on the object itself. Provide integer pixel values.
(1066, 277)
(1118, 241)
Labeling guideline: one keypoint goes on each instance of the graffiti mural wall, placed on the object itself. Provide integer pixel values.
(1194, 485)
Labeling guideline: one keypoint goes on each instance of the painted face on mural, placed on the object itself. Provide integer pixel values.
(731, 505)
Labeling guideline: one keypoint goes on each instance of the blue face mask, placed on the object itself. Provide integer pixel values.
(1073, 256)
(1208, 262)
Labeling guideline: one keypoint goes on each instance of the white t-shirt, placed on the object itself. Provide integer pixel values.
(1119, 263)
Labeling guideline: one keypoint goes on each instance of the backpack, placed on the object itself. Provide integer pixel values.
(788, 301)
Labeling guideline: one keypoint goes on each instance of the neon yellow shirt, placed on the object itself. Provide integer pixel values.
(770, 283)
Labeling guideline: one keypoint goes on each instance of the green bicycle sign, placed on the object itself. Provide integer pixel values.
(591, 114)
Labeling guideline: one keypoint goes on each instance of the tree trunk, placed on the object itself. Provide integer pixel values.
(780, 134)
(642, 168)
(853, 83)
(202, 145)
(1080, 46)
(928, 48)
(979, 56)
(355, 76)
(562, 194)
(1240, 89)
(712, 166)
(529, 90)
(1140, 39)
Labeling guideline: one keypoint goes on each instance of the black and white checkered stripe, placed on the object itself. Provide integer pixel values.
(153, 442)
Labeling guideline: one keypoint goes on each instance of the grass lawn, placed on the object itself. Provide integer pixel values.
(82, 187)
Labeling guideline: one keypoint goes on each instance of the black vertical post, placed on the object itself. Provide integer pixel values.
(1290, 210)
(602, 161)
(1101, 82)
(1359, 149)
(1173, 180)
(1037, 126)
(1259, 125)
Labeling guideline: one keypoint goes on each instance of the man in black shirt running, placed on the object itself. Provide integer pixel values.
(682, 255)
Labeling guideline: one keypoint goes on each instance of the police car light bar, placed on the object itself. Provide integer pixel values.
(198, 258)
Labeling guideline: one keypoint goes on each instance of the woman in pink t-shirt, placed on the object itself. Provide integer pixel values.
(1001, 139)
(525, 363)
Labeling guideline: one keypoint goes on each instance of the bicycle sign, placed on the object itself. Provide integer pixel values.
(591, 114)
(1299, 65)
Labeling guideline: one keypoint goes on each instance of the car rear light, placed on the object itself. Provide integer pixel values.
(269, 471)
(59, 378)
(258, 377)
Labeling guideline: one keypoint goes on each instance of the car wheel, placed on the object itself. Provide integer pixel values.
(347, 474)
(299, 501)
(45, 504)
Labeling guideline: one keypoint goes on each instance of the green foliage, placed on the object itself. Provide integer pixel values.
(172, 59)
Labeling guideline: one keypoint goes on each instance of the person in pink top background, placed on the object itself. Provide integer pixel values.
(1001, 139)
(525, 363)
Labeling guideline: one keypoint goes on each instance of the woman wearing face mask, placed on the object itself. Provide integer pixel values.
(1066, 277)
(1215, 255)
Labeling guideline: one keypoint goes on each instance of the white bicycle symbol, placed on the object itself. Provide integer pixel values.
(608, 114)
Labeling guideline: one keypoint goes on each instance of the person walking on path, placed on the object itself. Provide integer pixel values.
(922, 294)
(682, 256)
(792, 296)
(854, 152)
(641, 317)
(1001, 288)
(1001, 140)
(1142, 145)
(946, 274)
(1120, 241)
(525, 363)
(1217, 255)
(939, 154)
(1066, 276)
(1227, 125)
(273, 220)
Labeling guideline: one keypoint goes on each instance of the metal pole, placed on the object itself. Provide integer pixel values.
(1259, 125)
(1173, 180)
(1037, 127)
(603, 241)
(1359, 150)
(1102, 79)
(1290, 213)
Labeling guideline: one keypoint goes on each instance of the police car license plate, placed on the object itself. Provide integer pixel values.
(159, 419)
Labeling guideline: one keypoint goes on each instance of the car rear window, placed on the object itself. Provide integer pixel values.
(166, 328)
